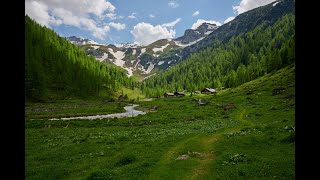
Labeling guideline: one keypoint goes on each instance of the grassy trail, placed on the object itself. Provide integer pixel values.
(200, 151)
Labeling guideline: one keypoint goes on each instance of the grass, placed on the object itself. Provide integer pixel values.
(254, 139)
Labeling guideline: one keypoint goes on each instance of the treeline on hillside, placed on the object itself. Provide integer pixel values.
(54, 66)
(242, 59)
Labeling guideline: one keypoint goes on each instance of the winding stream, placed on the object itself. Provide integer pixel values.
(130, 112)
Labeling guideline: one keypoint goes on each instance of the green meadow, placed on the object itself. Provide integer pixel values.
(247, 132)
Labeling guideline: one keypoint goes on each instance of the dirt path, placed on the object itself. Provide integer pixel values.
(208, 143)
(194, 167)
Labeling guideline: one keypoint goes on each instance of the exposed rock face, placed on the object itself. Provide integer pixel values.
(191, 35)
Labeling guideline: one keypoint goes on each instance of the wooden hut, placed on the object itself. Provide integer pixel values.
(168, 95)
(208, 91)
(179, 94)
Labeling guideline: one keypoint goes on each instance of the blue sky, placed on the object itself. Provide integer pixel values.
(128, 21)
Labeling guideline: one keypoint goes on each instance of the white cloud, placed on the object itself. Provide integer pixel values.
(201, 21)
(196, 13)
(39, 12)
(132, 16)
(171, 24)
(228, 19)
(72, 12)
(84, 23)
(151, 15)
(111, 16)
(117, 26)
(246, 5)
(145, 33)
(173, 4)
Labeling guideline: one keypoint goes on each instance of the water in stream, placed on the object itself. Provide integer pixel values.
(130, 112)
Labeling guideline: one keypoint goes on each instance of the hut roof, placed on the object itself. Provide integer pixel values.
(181, 93)
(209, 89)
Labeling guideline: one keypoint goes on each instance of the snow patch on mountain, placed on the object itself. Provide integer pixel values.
(130, 70)
(160, 49)
(274, 4)
(151, 66)
(178, 43)
(105, 55)
(134, 52)
(160, 62)
(143, 50)
(93, 42)
(95, 47)
(208, 32)
(119, 55)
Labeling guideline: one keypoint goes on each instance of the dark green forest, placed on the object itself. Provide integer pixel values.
(55, 68)
(231, 63)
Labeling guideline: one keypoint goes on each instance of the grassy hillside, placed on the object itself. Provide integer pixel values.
(56, 69)
(246, 132)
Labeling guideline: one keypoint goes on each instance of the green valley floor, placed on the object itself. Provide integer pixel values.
(246, 132)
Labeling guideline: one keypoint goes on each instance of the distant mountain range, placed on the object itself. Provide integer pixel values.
(142, 61)
(145, 61)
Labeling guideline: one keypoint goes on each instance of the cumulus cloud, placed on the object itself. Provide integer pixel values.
(39, 12)
(145, 33)
(173, 4)
(246, 5)
(201, 21)
(228, 19)
(132, 16)
(117, 26)
(171, 24)
(72, 12)
(113, 16)
(151, 15)
(196, 13)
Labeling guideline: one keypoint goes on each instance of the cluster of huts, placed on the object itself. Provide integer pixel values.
(180, 94)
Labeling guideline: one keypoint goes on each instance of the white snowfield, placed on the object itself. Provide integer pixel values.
(178, 43)
(105, 55)
(151, 66)
(160, 62)
(119, 55)
(92, 42)
(143, 50)
(95, 47)
(161, 48)
(208, 32)
(274, 4)
(130, 70)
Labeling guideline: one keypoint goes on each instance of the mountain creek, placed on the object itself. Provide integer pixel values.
(130, 112)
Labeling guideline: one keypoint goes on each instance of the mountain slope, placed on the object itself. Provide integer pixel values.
(228, 64)
(244, 22)
(55, 68)
(192, 35)
(143, 61)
